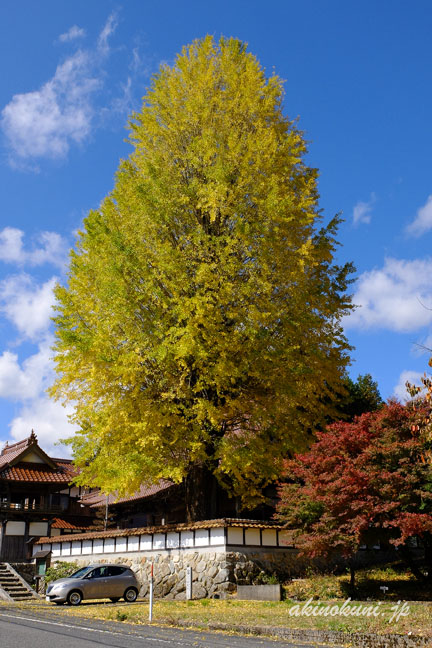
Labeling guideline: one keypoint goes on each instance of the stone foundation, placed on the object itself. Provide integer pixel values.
(221, 553)
(214, 574)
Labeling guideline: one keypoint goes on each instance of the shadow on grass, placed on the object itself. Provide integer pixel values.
(400, 583)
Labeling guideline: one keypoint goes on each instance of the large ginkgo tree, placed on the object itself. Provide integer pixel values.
(199, 334)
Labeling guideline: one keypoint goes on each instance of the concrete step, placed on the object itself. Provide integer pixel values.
(13, 586)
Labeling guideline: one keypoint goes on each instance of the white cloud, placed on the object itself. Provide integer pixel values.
(400, 390)
(136, 62)
(45, 122)
(107, 31)
(11, 245)
(23, 382)
(397, 297)
(26, 305)
(423, 221)
(50, 248)
(26, 383)
(73, 33)
(49, 420)
(362, 211)
(124, 103)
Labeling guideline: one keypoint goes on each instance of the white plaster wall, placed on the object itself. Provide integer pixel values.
(235, 535)
(38, 528)
(98, 545)
(217, 536)
(269, 537)
(121, 545)
(186, 539)
(146, 542)
(65, 548)
(159, 541)
(87, 546)
(201, 538)
(253, 537)
(55, 549)
(109, 545)
(173, 540)
(15, 528)
(76, 548)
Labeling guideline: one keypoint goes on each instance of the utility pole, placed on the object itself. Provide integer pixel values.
(106, 513)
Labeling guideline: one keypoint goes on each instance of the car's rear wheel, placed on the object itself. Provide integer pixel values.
(114, 599)
(74, 597)
(130, 595)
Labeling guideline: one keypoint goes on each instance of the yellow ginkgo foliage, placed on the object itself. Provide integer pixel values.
(199, 336)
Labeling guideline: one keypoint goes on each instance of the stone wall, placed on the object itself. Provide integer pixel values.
(214, 574)
(221, 553)
(27, 571)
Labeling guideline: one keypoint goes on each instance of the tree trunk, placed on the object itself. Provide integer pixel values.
(352, 576)
(428, 558)
(201, 492)
(408, 558)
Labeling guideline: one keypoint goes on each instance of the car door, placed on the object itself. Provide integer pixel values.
(115, 581)
(95, 583)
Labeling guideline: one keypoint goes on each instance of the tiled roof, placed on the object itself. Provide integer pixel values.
(60, 471)
(95, 500)
(36, 472)
(10, 452)
(204, 524)
(71, 523)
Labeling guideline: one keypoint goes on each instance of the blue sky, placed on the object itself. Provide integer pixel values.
(358, 77)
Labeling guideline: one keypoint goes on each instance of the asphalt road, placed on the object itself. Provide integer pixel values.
(22, 629)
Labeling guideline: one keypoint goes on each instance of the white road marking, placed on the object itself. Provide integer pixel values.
(79, 627)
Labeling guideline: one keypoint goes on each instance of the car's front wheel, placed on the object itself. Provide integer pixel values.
(130, 595)
(74, 597)
(59, 602)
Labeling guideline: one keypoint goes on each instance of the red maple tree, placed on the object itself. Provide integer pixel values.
(361, 482)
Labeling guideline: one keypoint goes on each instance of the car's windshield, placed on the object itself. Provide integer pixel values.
(80, 573)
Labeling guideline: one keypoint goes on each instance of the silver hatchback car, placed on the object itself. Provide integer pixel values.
(95, 582)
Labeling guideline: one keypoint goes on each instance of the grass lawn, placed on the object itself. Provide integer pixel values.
(326, 593)
(232, 613)
(401, 584)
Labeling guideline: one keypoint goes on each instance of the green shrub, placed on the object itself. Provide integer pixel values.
(60, 570)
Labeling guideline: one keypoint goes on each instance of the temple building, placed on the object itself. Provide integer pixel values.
(36, 499)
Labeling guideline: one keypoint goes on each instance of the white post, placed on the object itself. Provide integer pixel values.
(188, 583)
(151, 594)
